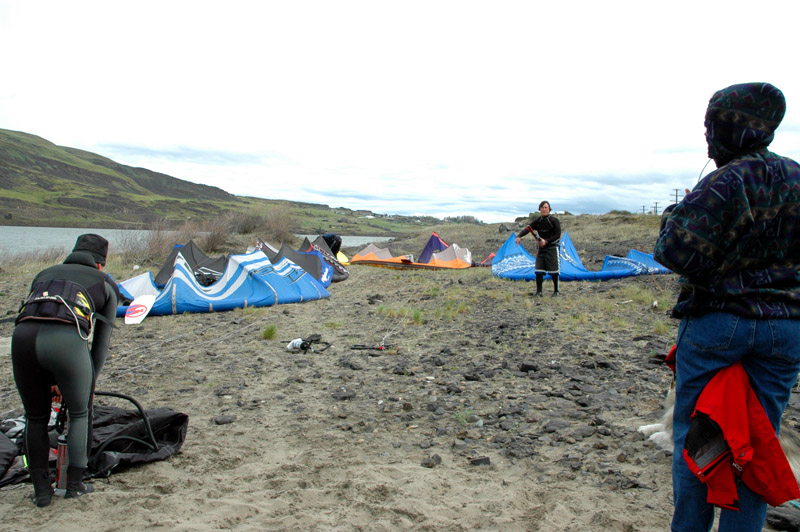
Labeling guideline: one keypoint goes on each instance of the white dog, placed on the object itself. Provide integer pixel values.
(661, 434)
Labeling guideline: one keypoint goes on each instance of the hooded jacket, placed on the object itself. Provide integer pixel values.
(735, 238)
(731, 436)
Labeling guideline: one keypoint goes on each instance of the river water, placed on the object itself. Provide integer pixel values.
(16, 240)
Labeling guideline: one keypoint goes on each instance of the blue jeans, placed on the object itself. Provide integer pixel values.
(770, 353)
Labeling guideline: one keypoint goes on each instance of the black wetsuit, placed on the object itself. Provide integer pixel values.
(547, 261)
(45, 352)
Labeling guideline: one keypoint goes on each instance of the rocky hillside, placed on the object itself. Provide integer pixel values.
(45, 184)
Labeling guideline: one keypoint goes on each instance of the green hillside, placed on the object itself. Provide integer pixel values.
(42, 184)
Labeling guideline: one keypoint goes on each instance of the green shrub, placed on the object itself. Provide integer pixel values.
(269, 332)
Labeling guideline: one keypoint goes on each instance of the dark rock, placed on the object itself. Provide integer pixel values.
(435, 360)
(483, 460)
(224, 419)
(599, 363)
(555, 425)
(510, 410)
(403, 369)
(507, 424)
(432, 461)
(343, 394)
(583, 432)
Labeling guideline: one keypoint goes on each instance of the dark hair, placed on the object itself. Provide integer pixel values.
(545, 202)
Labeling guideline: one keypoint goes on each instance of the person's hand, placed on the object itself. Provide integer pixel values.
(541, 242)
(518, 240)
(55, 394)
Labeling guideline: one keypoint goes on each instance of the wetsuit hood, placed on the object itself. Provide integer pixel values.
(742, 119)
(81, 257)
(95, 245)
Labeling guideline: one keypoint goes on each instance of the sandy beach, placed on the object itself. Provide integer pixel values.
(493, 410)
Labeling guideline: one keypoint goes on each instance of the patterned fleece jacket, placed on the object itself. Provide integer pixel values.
(735, 239)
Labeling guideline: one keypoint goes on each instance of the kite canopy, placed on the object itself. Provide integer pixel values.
(206, 269)
(311, 261)
(248, 280)
(320, 245)
(488, 260)
(435, 255)
(512, 261)
(434, 244)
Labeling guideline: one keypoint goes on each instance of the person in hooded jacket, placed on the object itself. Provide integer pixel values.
(60, 342)
(735, 241)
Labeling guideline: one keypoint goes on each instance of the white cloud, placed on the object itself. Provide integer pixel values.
(436, 107)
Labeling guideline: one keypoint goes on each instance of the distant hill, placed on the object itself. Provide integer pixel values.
(42, 184)
(45, 184)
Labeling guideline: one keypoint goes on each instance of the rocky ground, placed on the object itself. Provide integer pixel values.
(488, 409)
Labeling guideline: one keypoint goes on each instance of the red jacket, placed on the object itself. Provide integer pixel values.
(731, 436)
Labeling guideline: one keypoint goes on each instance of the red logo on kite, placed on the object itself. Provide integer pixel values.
(134, 311)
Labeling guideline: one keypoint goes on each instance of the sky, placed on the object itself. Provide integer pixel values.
(440, 108)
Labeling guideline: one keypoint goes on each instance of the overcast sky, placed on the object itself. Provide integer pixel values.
(444, 108)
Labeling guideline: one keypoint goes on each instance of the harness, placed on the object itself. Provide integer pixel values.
(60, 300)
(547, 230)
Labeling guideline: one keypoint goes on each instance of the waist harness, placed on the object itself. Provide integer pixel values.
(59, 300)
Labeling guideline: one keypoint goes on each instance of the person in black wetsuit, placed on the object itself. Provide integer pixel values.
(547, 231)
(61, 340)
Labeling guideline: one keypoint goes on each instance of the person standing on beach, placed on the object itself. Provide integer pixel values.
(59, 345)
(735, 241)
(547, 231)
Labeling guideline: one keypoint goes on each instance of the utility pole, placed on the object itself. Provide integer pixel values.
(644, 209)
(655, 207)
(676, 194)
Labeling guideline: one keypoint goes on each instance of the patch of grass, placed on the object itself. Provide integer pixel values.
(579, 318)
(269, 332)
(462, 416)
(250, 311)
(603, 305)
(662, 327)
(618, 322)
(333, 324)
(433, 291)
(413, 315)
(33, 259)
(643, 295)
(389, 312)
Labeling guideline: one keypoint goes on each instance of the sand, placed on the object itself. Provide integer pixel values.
(494, 410)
